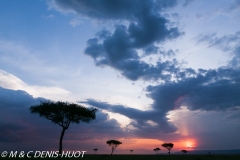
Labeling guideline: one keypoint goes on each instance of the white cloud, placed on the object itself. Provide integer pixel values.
(10, 81)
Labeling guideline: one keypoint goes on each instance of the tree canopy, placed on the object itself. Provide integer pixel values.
(113, 144)
(184, 151)
(168, 146)
(131, 151)
(157, 149)
(64, 113)
(95, 150)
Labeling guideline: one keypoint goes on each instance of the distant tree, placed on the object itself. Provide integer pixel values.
(131, 151)
(64, 113)
(184, 151)
(168, 146)
(157, 149)
(95, 150)
(113, 144)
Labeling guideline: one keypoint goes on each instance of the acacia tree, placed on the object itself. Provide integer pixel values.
(184, 151)
(168, 146)
(113, 144)
(157, 149)
(64, 113)
(95, 150)
(131, 151)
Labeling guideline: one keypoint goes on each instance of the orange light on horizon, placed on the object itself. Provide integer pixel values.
(190, 144)
(142, 143)
(186, 144)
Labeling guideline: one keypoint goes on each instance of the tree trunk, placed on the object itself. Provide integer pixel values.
(112, 151)
(169, 152)
(60, 142)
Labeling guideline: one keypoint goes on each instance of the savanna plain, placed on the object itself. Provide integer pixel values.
(148, 157)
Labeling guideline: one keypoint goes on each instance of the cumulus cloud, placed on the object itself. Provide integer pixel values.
(119, 49)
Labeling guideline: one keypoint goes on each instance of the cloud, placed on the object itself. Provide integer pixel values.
(119, 49)
(107, 9)
(210, 90)
(17, 124)
(214, 90)
(75, 22)
(142, 122)
(225, 43)
(228, 43)
(151, 50)
(141, 30)
(15, 115)
(10, 81)
(204, 125)
(234, 6)
(187, 2)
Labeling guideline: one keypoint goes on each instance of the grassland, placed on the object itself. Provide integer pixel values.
(161, 157)
(145, 157)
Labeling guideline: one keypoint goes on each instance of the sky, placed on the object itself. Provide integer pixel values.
(157, 71)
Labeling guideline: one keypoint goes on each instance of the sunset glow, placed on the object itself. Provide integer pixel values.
(189, 144)
(146, 144)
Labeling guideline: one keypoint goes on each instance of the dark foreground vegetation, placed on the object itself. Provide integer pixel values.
(162, 157)
(146, 157)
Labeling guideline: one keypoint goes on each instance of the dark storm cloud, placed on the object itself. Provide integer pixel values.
(145, 28)
(108, 9)
(151, 49)
(17, 124)
(140, 120)
(127, 111)
(209, 90)
(14, 113)
(213, 90)
(118, 49)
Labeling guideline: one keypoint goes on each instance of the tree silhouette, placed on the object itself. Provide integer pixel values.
(64, 113)
(113, 144)
(184, 151)
(131, 151)
(157, 149)
(168, 146)
(95, 150)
